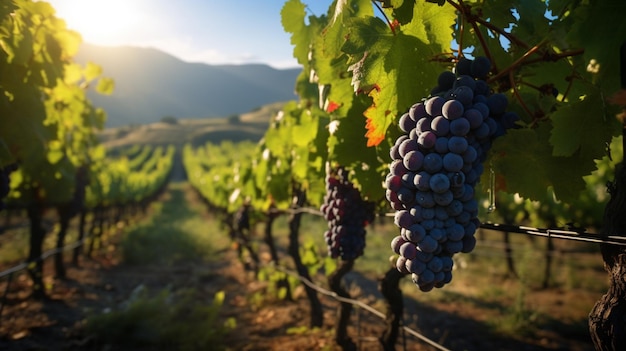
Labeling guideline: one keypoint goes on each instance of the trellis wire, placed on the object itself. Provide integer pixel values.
(557, 233)
(360, 304)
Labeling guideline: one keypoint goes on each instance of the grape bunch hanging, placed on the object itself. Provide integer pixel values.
(435, 166)
(347, 215)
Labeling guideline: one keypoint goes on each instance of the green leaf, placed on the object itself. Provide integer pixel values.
(305, 130)
(105, 86)
(600, 29)
(55, 152)
(403, 9)
(582, 127)
(92, 71)
(523, 160)
(293, 14)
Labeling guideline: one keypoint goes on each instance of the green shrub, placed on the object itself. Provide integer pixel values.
(167, 321)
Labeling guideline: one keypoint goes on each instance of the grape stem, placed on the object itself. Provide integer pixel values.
(519, 97)
(465, 12)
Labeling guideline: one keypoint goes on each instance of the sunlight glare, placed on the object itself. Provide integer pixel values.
(104, 22)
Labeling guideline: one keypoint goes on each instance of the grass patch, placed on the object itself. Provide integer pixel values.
(166, 321)
(175, 232)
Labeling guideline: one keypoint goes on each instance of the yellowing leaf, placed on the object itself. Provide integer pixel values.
(92, 71)
(105, 86)
(377, 122)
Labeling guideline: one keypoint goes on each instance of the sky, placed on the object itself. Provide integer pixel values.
(209, 31)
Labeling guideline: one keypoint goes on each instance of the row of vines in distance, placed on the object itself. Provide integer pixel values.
(50, 157)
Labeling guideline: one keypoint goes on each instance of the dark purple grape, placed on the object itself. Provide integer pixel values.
(406, 123)
(465, 81)
(480, 67)
(446, 80)
(497, 103)
(452, 109)
(463, 67)
(434, 105)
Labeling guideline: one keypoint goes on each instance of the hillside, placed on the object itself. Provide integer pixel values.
(150, 84)
(250, 126)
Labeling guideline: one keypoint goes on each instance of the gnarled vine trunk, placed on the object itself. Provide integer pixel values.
(345, 309)
(35, 262)
(390, 288)
(607, 320)
(317, 313)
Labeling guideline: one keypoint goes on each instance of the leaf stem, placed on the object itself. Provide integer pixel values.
(570, 83)
(519, 97)
(393, 30)
(461, 26)
(547, 56)
(517, 62)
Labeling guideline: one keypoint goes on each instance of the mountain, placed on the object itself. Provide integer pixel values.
(151, 84)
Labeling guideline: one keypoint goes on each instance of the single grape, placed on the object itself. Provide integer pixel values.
(422, 181)
(413, 161)
(439, 183)
(406, 123)
(434, 105)
(441, 145)
(480, 67)
(446, 80)
(463, 66)
(474, 117)
(427, 140)
(457, 144)
(452, 162)
(460, 127)
(452, 109)
(432, 163)
(497, 103)
(441, 126)
(417, 111)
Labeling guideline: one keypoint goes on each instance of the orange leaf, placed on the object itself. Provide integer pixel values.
(332, 106)
(375, 126)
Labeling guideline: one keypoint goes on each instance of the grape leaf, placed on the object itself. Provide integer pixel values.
(603, 42)
(520, 149)
(293, 15)
(304, 129)
(394, 73)
(584, 127)
(396, 70)
(347, 146)
(105, 86)
(402, 10)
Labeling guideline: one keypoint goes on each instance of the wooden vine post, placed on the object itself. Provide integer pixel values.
(607, 320)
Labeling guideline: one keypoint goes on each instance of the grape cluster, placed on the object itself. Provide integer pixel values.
(435, 166)
(5, 183)
(347, 215)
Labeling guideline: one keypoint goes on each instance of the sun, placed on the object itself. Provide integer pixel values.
(103, 22)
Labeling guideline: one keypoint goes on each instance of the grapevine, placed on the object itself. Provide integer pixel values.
(435, 167)
(347, 215)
